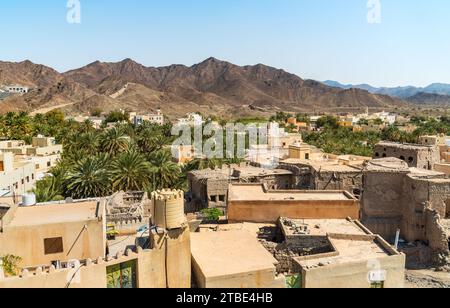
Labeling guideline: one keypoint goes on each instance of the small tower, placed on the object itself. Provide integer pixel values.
(168, 209)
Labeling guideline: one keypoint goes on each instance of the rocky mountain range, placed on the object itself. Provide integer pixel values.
(436, 93)
(212, 87)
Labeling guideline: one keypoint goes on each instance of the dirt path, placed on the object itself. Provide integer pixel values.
(427, 279)
(48, 109)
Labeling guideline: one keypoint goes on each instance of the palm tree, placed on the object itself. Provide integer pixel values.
(150, 141)
(130, 171)
(211, 163)
(114, 141)
(88, 142)
(89, 178)
(87, 126)
(48, 189)
(19, 126)
(165, 173)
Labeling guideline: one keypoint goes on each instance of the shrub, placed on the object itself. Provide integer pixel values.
(10, 265)
(212, 214)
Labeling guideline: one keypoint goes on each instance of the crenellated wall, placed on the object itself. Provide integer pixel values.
(172, 248)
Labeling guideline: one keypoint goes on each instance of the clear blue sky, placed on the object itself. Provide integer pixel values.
(317, 39)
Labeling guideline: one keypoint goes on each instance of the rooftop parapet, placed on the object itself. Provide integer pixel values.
(168, 209)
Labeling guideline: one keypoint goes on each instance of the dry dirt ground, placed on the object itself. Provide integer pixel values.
(416, 279)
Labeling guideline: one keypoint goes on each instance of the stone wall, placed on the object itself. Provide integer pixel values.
(329, 180)
(438, 238)
(382, 202)
(308, 177)
(423, 157)
(414, 202)
(301, 175)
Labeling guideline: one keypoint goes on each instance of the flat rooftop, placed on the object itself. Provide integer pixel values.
(349, 250)
(423, 173)
(254, 172)
(322, 227)
(238, 172)
(226, 253)
(211, 174)
(250, 192)
(350, 241)
(406, 146)
(389, 164)
(53, 214)
(326, 165)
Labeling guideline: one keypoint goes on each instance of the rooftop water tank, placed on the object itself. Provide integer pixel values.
(28, 200)
(168, 209)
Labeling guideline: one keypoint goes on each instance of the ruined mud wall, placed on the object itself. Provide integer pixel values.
(422, 194)
(382, 206)
(415, 156)
(348, 181)
(437, 237)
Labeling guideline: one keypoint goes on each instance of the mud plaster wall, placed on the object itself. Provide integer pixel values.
(437, 237)
(423, 158)
(347, 181)
(415, 205)
(420, 195)
(382, 208)
(301, 175)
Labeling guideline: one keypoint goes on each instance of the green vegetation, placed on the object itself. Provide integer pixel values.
(99, 162)
(294, 282)
(95, 162)
(117, 116)
(251, 120)
(340, 140)
(212, 214)
(96, 112)
(11, 265)
(281, 117)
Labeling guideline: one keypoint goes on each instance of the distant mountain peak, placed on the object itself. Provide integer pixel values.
(128, 60)
(94, 63)
(402, 92)
(27, 62)
(212, 60)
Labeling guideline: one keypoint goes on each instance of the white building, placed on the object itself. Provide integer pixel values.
(16, 177)
(386, 117)
(16, 89)
(97, 122)
(191, 119)
(154, 118)
(43, 153)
